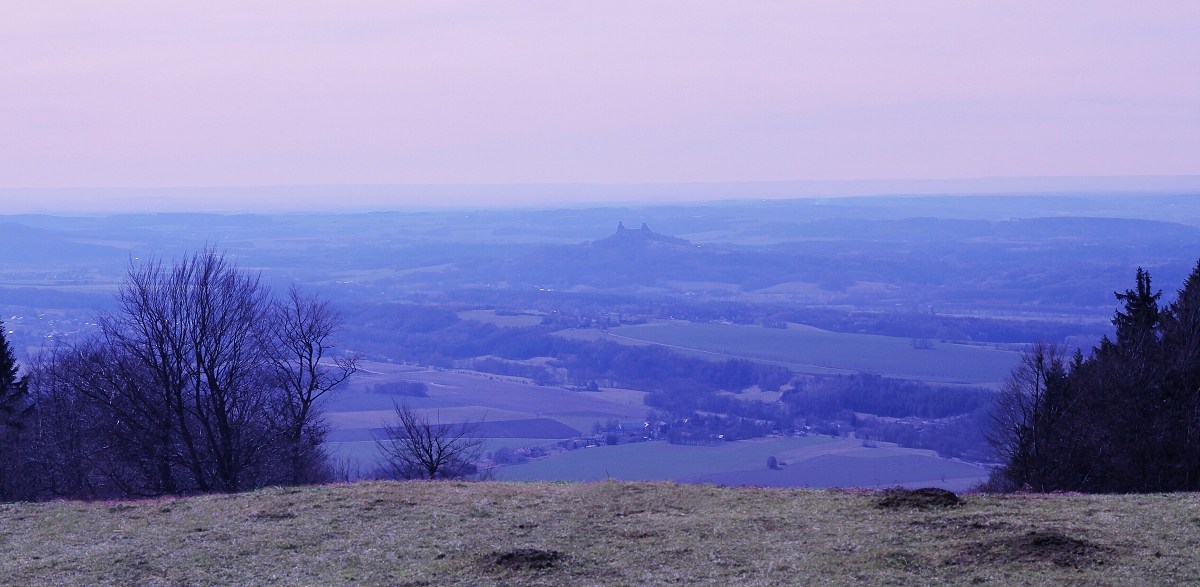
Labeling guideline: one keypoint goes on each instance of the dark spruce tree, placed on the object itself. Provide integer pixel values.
(1124, 419)
(12, 389)
(14, 409)
(1180, 327)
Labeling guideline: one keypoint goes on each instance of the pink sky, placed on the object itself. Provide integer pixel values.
(216, 93)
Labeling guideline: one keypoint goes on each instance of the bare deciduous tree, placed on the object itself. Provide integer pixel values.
(201, 328)
(1025, 426)
(198, 381)
(416, 448)
(303, 329)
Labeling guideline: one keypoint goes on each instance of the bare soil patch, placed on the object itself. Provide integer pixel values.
(1038, 546)
(272, 514)
(925, 498)
(527, 558)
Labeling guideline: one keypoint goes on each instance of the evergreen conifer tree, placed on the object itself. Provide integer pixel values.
(1124, 419)
(14, 407)
(1136, 325)
(12, 388)
(1181, 392)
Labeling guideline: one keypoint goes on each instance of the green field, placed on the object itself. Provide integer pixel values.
(461, 396)
(390, 534)
(653, 461)
(809, 350)
(501, 320)
(810, 461)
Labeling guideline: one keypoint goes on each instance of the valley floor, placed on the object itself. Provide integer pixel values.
(606, 533)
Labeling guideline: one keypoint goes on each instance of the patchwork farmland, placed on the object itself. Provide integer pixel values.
(809, 350)
(804, 462)
(519, 415)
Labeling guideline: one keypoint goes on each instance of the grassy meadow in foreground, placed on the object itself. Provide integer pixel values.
(608, 533)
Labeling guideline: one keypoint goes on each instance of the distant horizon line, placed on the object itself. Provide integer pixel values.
(368, 197)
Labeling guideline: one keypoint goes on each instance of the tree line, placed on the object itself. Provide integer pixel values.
(883, 396)
(199, 380)
(1125, 418)
(434, 335)
(570, 310)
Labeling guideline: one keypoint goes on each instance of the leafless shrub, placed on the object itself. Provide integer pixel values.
(416, 448)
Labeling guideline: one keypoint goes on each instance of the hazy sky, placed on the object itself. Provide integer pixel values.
(155, 93)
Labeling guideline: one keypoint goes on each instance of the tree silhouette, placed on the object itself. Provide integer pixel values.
(1125, 418)
(14, 410)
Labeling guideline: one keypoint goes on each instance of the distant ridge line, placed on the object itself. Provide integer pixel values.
(378, 197)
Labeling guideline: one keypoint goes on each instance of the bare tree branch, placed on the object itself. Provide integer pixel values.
(415, 448)
(303, 329)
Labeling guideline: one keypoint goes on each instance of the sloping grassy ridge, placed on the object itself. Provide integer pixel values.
(608, 533)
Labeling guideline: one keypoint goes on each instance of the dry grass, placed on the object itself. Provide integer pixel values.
(608, 533)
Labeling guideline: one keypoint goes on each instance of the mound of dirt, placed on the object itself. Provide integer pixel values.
(527, 558)
(924, 498)
(1034, 547)
(272, 514)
